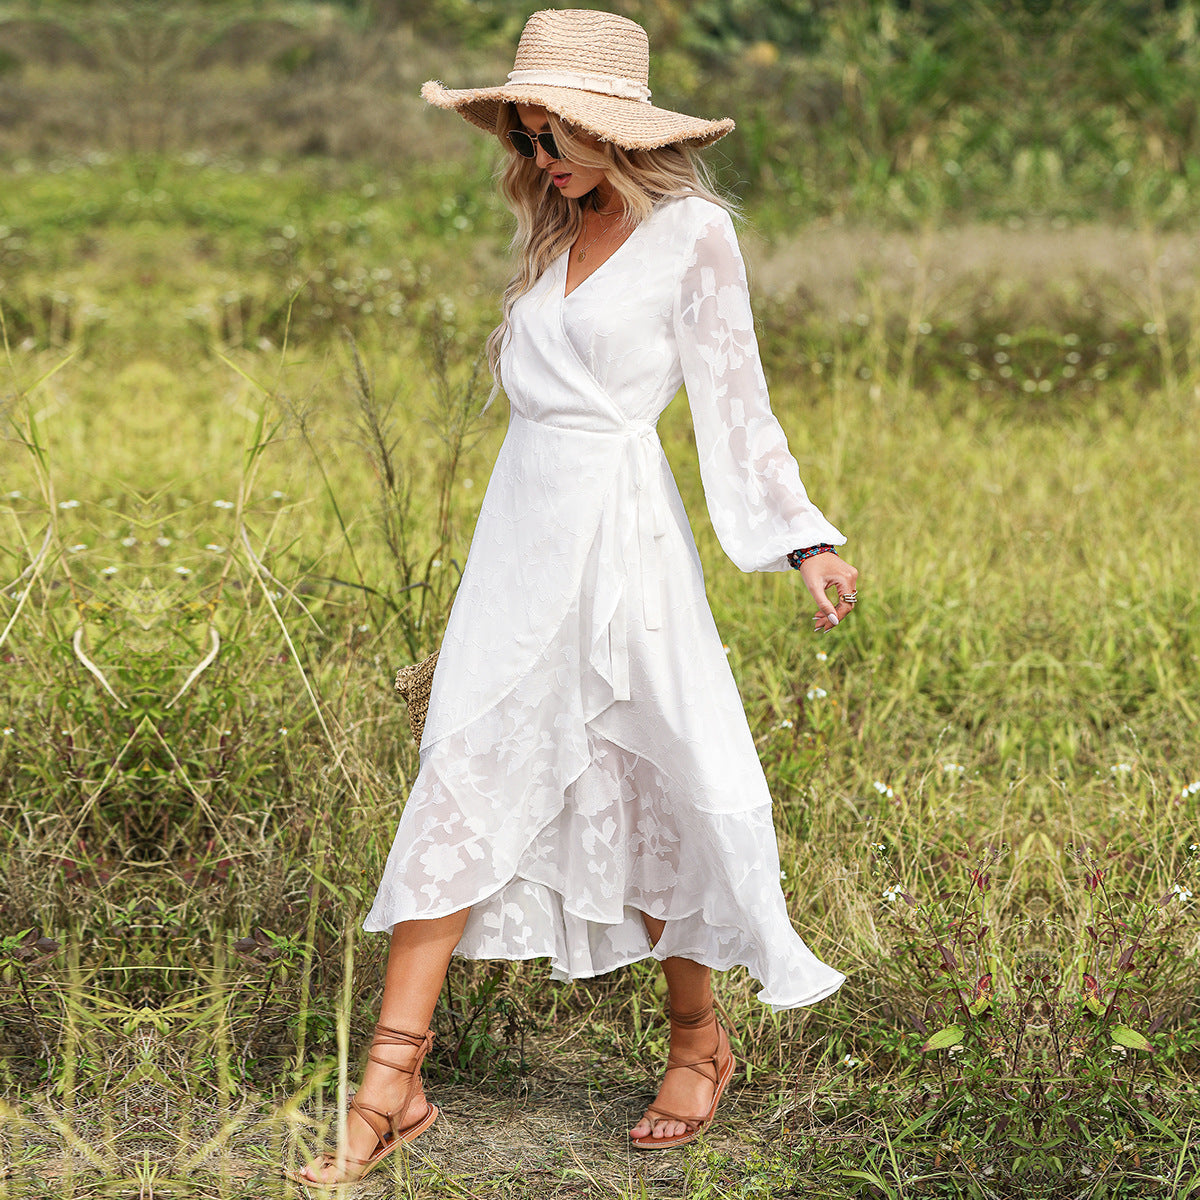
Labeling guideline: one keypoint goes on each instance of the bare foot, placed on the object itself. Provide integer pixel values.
(685, 1091)
(383, 1089)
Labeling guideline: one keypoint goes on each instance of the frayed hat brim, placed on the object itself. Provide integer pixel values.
(630, 124)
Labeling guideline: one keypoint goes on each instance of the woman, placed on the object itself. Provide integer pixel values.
(589, 789)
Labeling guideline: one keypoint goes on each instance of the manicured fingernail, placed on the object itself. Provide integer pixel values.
(831, 618)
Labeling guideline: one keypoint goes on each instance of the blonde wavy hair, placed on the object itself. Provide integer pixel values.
(548, 223)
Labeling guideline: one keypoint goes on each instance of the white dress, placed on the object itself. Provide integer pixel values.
(586, 756)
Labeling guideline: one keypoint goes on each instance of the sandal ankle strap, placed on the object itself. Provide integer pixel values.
(363, 1109)
(385, 1035)
(708, 1067)
(391, 1036)
(692, 1020)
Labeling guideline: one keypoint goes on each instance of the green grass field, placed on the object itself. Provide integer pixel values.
(241, 463)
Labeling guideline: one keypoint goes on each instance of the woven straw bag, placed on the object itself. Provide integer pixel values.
(414, 683)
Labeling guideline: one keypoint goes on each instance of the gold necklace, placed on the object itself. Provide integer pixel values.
(582, 254)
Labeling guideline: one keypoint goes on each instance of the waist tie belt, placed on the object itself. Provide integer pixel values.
(641, 478)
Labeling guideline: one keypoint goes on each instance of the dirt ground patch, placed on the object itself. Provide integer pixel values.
(550, 1135)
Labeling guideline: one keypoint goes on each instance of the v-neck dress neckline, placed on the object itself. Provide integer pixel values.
(565, 258)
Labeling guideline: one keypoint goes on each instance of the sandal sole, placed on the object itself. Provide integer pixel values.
(408, 1135)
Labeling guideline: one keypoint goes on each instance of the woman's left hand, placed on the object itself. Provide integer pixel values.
(821, 572)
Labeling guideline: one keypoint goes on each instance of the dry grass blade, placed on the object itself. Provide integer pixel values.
(213, 650)
(77, 646)
(32, 571)
(339, 749)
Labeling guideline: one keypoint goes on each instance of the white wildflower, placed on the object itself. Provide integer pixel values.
(1121, 768)
(847, 1061)
(68, 504)
(883, 789)
(222, 504)
(162, 541)
(75, 549)
(109, 571)
(953, 768)
(816, 693)
(822, 656)
(183, 570)
(128, 541)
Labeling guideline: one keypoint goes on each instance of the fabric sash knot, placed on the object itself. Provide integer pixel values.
(638, 534)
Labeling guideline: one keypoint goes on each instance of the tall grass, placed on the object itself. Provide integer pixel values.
(219, 546)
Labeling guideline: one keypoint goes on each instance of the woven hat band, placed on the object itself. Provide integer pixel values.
(605, 85)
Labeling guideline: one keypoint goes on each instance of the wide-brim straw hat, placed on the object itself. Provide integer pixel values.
(592, 69)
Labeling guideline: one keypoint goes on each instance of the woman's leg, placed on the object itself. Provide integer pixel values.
(417, 961)
(689, 986)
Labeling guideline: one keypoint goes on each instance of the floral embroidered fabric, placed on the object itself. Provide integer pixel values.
(586, 757)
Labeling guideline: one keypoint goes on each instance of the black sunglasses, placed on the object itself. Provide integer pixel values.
(523, 143)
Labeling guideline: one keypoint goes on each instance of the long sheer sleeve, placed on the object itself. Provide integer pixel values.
(759, 508)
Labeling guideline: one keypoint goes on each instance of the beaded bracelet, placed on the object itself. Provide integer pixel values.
(796, 557)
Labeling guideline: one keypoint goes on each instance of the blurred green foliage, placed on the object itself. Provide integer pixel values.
(894, 113)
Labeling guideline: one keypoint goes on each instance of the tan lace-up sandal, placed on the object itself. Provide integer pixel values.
(383, 1124)
(716, 1067)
